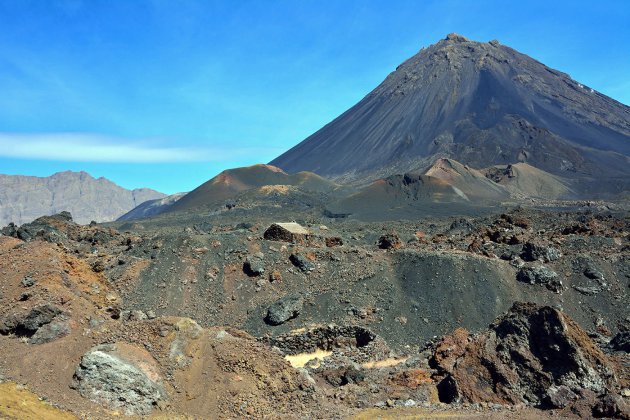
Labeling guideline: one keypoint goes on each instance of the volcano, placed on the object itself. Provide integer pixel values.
(229, 183)
(481, 104)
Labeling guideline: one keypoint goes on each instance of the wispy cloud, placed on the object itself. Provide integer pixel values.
(74, 147)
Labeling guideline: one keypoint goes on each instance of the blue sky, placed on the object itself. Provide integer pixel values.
(166, 94)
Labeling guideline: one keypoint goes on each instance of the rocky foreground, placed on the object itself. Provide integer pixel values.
(299, 320)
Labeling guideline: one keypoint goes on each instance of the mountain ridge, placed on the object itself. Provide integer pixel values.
(24, 198)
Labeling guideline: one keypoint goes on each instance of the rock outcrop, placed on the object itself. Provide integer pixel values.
(284, 309)
(390, 240)
(621, 342)
(540, 274)
(286, 232)
(533, 354)
(120, 376)
(40, 325)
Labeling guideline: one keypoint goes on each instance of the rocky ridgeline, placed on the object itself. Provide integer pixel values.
(24, 198)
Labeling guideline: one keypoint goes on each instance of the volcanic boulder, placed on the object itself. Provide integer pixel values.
(28, 281)
(541, 275)
(333, 241)
(621, 342)
(461, 226)
(560, 396)
(41, 324)
(120, 376)
(286, 232)
(301, 262)
(390, 240)
(254, 265)
(534, 252)
(594, 274)
(287, 308)
(533, 354)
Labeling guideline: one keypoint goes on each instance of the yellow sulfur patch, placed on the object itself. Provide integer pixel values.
(384, 363)
(300, 360)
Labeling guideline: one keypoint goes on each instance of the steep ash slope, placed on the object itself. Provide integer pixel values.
(473, 183)
(524, 180)
(403, 197)
(482, 104)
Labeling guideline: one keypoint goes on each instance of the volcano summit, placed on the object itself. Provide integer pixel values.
(482, 104)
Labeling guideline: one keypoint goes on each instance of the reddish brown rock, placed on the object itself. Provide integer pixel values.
(390, 240)
(412, 378)
(333, 241)
(533, 354)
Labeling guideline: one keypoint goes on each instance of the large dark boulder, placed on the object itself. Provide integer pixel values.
(301, 262)
(254, 265)
(534, 252)
(286, 232)
(287, 308)
(41, 324)
(390, 240)
(621, 342)
(540, 275)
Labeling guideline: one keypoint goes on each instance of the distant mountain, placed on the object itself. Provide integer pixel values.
(151, 207)
(228, 184)
(25, 198)
(526, 181)
(481, 104)
(472, 184)
(448, 187)
(401, 196)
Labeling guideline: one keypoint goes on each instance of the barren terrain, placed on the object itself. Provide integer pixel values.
(185, 304)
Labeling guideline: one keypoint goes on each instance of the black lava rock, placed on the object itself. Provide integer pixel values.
(535, 252)
(301, 262)
(389, 241)
(254, 266)
(621, 342)
(541, 275)
(28, 281)
(287, 308)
